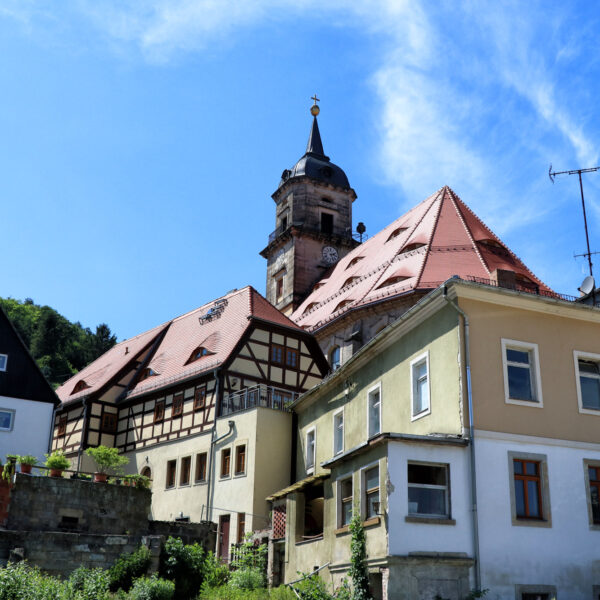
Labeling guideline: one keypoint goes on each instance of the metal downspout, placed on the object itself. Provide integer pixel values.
(471, 442)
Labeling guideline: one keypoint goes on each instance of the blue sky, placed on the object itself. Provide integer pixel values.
(140, 142)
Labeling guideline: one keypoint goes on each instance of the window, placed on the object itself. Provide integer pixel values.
(277, 354)
(521, 373)
(592, 474)
(200, 467)
(240, 459)
(159, 412)
(338, 432)
(177, 405)
(419, 371)
(184, 474)
(428, 487)
(241, 527)
(374, 410)
(529, 491)
(80, 386)
(587, 368)
(62, 427)
(279, 288)
(109, 422)
(535, 592)
(344, 501)
(226, 462)
(291, 357)
(147, 373)
(371, 492)
(334, 358)
(326, 223)
(171, 470)
(7, 419)
(200, 397)
(198, 353)
(3, 361)
(311, 436)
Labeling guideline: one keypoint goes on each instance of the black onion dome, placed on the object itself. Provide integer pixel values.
(315, 164)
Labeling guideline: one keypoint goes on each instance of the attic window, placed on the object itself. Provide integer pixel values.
(342, 304)
(318, 285)
(309, 307)
(392, 281)
(354, 261)
(324, 199)
(490, 242)
(350, 280)
(198, 353)
(410, 247)
(80, 386)
(3, 361)
(396, 233)
(147, 373)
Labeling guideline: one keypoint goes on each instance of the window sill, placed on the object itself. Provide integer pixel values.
(238, 475)
(200, 482)
(368, 523)
(420, 415)
(184, 485)
(525, 522)
(316, 538)
(530, 403)
(429, 520)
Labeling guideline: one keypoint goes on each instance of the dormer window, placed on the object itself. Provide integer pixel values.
(354, 261)
(411, 247)
(392, 281)
(396, 233)
(147, 373)
(3, 361)
(350, 280)
(342, 304)
(80, 386)
(309, 307)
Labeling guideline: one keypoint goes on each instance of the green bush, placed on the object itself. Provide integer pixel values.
(107, 459)
(250, 578)
(152, 588)
(129, 567)
(19, 581)
(183, 564)
(313, 588)
(227, 592)
(216, 573)
(88, 584)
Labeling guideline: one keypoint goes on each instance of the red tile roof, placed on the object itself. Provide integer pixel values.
(438, 238)
(217, 326)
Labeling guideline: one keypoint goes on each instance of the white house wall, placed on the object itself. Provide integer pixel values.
(405, 537)
(565, 555)
(31, 427)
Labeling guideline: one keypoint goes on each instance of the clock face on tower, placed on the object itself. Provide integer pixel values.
(330, 255)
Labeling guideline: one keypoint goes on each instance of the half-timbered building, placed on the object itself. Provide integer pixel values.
(188, 401)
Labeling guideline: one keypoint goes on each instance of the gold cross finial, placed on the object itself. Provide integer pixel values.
(314, 109)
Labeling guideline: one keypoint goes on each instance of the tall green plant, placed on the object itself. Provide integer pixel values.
(358, 572)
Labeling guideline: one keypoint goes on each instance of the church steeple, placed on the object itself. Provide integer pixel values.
(313, 223)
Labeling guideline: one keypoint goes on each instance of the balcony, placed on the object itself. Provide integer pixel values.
(262, 395)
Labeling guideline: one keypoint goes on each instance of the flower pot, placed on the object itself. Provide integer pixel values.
(26, 468)
(56, 472)
(100, 477)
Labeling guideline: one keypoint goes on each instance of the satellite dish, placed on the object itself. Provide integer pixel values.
(587, 285)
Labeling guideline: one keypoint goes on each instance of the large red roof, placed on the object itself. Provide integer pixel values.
(438, 238)
(216, 326)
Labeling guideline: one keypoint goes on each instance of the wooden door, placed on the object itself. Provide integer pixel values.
(224, 538)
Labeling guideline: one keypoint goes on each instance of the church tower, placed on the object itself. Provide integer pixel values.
(313, 224)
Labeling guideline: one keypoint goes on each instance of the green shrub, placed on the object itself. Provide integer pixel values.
(152, 588)
(183, 564)
(227, 592)
(88, 584)
(313, 588)
(19, 581)
(216, 573)
(129, 567)
(107, 459)
(250, 578)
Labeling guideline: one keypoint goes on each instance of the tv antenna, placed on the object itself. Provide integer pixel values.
(552, 175)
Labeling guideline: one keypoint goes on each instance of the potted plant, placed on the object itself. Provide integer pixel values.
(57, 462)
(9, 467)
(140, 481)
(27, 461)
(107, 459)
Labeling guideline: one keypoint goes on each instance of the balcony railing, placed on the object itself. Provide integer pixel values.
(262, 395)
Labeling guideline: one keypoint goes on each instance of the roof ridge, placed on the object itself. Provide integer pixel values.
(435, 223)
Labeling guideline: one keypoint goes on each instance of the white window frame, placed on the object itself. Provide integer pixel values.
(413, 386)
(446, 467)
(4, 362)
(310, 469)
(335, 366)
(372, 389)
(335, 430)
(535, 372)
(363, 488)
(338, 491)
(11, 411)
(577, 355)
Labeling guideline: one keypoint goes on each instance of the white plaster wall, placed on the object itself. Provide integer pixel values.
(31, 430)
(425, 537)
(566, 555)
